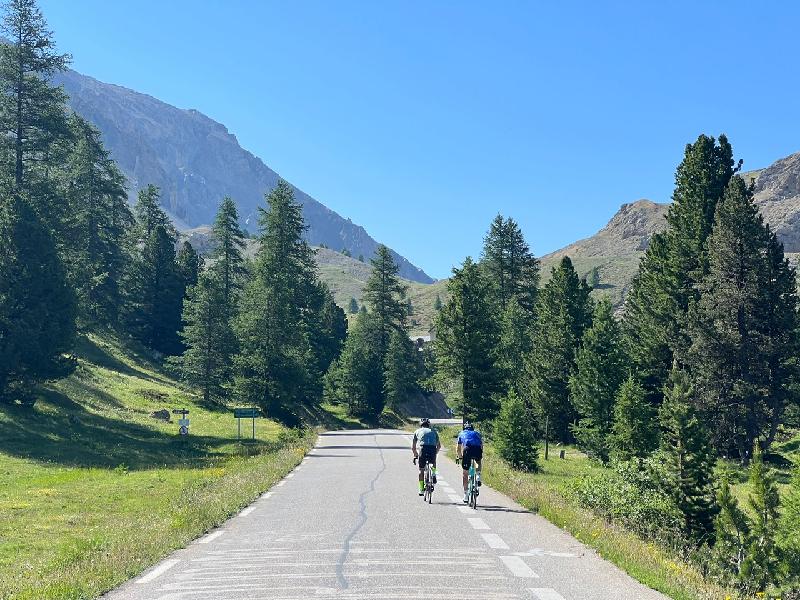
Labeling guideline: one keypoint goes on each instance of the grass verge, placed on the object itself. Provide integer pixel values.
(93, 490)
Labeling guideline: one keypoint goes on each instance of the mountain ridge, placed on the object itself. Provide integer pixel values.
(196, 161)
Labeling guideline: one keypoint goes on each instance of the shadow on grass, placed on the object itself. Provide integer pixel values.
(90, 351)
(62, 431)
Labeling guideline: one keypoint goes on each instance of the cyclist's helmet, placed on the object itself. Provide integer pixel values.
(469, 426)
(425, 422)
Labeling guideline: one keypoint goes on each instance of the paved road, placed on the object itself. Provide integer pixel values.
(348, 524)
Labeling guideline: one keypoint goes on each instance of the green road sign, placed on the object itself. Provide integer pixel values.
(246, 413)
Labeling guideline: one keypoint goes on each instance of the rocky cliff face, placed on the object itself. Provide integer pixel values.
(777, 192)
(196, 161)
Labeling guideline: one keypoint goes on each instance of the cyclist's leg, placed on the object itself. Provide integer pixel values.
(478, 465)
(421, 464)
(466, 461)
(433, 464)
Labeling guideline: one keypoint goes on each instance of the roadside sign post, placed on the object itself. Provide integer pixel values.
(183, 422)
(245, 413)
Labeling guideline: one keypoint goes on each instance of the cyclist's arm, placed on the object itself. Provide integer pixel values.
(459, 449)
(438, 444)
(414, 446)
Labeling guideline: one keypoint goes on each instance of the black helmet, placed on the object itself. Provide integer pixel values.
(469, 426)
(424, 422)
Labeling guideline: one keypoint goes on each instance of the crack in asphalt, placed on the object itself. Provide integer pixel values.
(362, 501)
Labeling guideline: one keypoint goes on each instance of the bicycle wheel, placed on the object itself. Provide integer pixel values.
(427, 483)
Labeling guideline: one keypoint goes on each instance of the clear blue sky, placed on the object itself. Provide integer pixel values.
(422, 120)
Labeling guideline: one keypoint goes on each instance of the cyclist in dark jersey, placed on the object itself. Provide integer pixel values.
(469, 448)
(430, 445)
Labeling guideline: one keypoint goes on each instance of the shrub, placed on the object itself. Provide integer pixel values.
(634, 494)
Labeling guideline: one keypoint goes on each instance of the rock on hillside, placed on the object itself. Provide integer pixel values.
(196, 161)
(777, 192)
(615, 250)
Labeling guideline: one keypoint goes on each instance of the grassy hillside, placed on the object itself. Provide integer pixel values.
(93, 490)
(347, 277)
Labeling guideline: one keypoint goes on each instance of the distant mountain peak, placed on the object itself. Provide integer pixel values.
(196, 161)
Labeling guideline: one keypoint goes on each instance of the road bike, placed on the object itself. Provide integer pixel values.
(472, 486)
(428, 483)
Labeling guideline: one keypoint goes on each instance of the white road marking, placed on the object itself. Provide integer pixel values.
(267, 495)
(290, 475)
(546, 594)
(280, 483)
(494, 541)
(455, 498)
(159, 570)
(518, 566)
(467, 510)
(211, 537)
(477, 523)
(247, 511)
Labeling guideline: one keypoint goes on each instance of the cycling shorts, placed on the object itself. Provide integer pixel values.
(427, 454)
(470, 453)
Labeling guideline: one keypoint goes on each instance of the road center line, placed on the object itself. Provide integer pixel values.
(455, 498)
(494, 541)
(518, 566)
(477, 523)
(466, 510)
(159, 570)
(211, 537)
(546, 594)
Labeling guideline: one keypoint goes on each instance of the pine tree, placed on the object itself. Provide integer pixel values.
(324, 328)
(352, 307)
(149, 215)
(509, 265)
(96, 252)
(227, 253)
(384, 293)
(516, 434)
(209, 339)
(563, 313)
(593, 278)
(634, 433)
(437, 304)
(732, 531)
(685, 441)
(361, 258)
(400, 370)
(346, 252)
(743, 327)
(466, 339)
(37, 307)
(33, 114)
(155, 293)
(275, 359)
(189, 265)
(355, 378)
(599, 371)
(515, 341)
(675, 261)
(761, 562)
(789, 531)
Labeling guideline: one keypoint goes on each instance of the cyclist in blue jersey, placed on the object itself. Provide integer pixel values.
(430, 445)
(469, 448)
